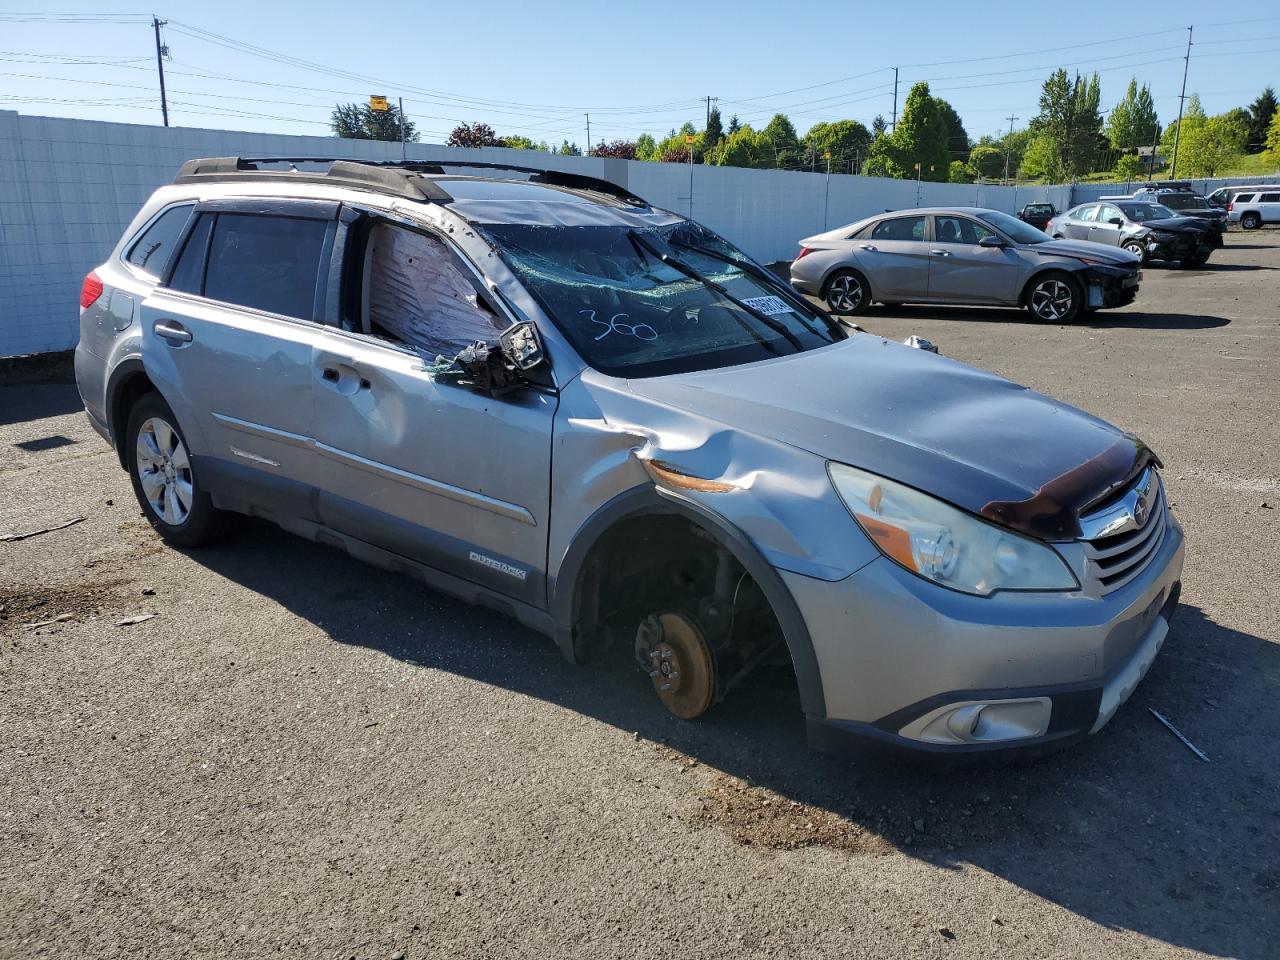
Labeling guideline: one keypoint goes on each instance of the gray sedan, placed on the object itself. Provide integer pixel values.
(963, 255)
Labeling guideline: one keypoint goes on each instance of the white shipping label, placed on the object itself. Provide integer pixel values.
(769, 306)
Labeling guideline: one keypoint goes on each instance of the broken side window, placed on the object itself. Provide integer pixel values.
(415, 293)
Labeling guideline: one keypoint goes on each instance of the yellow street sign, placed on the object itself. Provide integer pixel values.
(689, 138)
(379, 104)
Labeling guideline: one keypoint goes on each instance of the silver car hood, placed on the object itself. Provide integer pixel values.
(1083, 248)
(966, 436)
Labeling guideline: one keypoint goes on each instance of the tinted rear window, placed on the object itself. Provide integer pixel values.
(899, 228)
(151, 251)
(265, 262)
(1271, 198)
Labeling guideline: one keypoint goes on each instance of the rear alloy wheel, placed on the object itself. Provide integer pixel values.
(1251, 221)
(1135, 247)
(163, 475)
(847, 293)
(1055, 298)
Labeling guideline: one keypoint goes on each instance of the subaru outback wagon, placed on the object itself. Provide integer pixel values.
(538, 392)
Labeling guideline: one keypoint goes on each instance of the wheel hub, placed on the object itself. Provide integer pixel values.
(679, 663)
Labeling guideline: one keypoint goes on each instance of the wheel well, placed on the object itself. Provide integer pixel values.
(826, 281)
(1037, 277)
(653, 563)
(131, 388)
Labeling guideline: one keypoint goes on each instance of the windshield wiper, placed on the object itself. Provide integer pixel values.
(678, 264)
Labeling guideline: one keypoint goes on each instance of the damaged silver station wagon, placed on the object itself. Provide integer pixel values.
(540, 393)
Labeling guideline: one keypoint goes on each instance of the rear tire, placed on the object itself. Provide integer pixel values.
(847, 292)
(1251, 221)
(164, 477)
(1054, 297)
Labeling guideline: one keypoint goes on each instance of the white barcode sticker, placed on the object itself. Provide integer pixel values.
(769, 306)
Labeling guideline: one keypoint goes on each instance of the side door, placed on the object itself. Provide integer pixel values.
(894, 254)
(1269, 206)
(960, 270)
(1076, 226)
(228, 339)
(1107, 226)
(412, 460)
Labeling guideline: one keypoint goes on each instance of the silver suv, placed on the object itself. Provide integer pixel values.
(547, 396)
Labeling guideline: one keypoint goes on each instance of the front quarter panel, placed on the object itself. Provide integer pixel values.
(782, 500)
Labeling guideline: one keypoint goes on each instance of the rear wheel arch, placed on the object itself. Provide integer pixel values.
(571, 594)
(126, 386)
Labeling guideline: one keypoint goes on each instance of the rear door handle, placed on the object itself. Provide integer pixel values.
(941, 253)
(172, 331)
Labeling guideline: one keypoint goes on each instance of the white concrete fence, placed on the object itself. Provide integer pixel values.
(69, 187)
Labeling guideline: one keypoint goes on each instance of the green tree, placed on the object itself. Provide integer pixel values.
(568, 149)
(1212, 144)
(744, 148)
(957, 137)
(846, 140)
(1273, 138)
(356, 121)
(734, 125)
(646, 147)
(517, 142)
(780, 134)
(1070, 124)
(1193, 117)
(960, 172)
(920, 140)
(1261, 113)
(1132, 122)
(1041, 159)
(715, 131)
(987, 162)
(879, 125)
(1128, 166)
(474, 135)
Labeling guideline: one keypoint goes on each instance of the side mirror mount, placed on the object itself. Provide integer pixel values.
(521, 345)
(1116, 221)
(991, 240)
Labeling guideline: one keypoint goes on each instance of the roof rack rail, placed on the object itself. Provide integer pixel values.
(402, 178)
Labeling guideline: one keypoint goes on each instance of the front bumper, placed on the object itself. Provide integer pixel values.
(1108, 286)
(895, 650)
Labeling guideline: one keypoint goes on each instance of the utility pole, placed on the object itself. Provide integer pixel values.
(1182, 98)
(588, 153)
(404, 154)
(1008, 146)
(894, 125)
(156, 24)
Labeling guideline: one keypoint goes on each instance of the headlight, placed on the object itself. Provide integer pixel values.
(1162, 236)
(943, 544)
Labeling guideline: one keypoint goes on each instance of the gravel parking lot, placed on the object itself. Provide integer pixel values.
(300, 755)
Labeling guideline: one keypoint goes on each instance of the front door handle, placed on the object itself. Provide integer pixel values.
(172, 331)
(941, 253)
(866, 246)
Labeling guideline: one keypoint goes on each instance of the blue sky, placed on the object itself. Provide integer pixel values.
(535, 69)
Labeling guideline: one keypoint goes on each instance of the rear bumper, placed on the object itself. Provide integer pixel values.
(895, 651)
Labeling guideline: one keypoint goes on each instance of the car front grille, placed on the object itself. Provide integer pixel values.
(1114, 560)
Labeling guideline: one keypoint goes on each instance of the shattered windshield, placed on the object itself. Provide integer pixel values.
(658, 300)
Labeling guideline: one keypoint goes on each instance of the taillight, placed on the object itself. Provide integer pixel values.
(804, 252)
(1231, 206)
(91, 290)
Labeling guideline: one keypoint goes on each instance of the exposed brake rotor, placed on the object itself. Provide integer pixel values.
(679, 662)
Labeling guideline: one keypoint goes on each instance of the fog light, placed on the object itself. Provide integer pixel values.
(982, 721)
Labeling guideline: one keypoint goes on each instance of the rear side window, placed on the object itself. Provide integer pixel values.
(188, 273)
(265, 262)
(1270, 198)
(1244, 198)
(1088, 214)
(151, 252)
(899, 228)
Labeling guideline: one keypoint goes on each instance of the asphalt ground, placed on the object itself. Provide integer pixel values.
(298, 755)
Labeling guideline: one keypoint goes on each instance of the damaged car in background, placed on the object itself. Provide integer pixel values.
(1147, 230)
(537, 392)
(969, 256)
